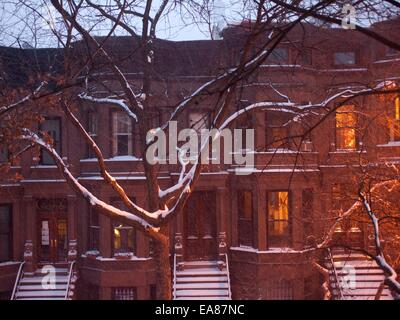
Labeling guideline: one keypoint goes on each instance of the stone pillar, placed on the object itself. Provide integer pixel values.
(18, 235)
(105, 236)
(221, 225)
(260, 219)
(234, 236)
(30, 235)
(142, 245)
(72, 223)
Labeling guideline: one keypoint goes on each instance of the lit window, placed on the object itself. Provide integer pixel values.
(278, 219)
(345, 58)
(279, 55)
(346, 128)
(52, 128)
(122, 134)
(124, 237)
(395, 121)
(245, 219)
(5, 233)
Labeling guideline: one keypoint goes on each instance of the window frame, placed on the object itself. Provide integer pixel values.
(272, 58)
(115, 134)
(338, 63)
(281, 241)
(94, 230)
(124, 248)
(394, 121)
(56, 146)
(90, 116)
(271, 121)
(339, 130)
(10, 231)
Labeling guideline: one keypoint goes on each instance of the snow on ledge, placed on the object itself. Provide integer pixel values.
(390, 144)
(270, 250)
(117, 158)
(9, 263)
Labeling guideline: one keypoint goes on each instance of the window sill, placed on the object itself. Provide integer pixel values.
(390, 144)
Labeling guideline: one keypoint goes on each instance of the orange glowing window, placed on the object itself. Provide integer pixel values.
(395, 127)
(346, 122)
(278, 218)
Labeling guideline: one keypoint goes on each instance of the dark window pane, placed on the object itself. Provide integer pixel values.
(279, 55)
(53, 128)
(3, 155)
(5, 233)
(345, 58)
(122, 142)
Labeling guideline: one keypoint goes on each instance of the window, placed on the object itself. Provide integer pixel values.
(277, 131)
(3, 154)
(5, 233)
(279, 55)
(92, 130)
(346, 58)
(124, 237)
(245, 218)
(51, 127)
(395, 121)
(346, 128)
(122, 134)
(198, 120)
(278, 219)
(279, 290)
(94, 229)
(391, 52)
(153, 292)
(124, 294)
(304, 57)
(307, 207)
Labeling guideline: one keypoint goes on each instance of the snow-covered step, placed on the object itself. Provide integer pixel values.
(202, 293)
(37, 279)
(201, 298)
(210, 279)
(203, 285)
(200, 272)
(42, 293)
(202, 280)
(40, 287)
(42, 298)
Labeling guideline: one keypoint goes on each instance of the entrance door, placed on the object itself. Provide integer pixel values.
(200, 226)
(52, 237)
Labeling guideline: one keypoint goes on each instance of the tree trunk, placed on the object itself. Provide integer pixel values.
(163, 267)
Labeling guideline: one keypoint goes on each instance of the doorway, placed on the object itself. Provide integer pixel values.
(52, 237)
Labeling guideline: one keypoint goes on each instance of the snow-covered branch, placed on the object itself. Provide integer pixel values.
(27, 98)
(390, 273)
(111, 211)
(110, 101)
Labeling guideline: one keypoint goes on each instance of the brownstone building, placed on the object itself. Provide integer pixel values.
(261, 221)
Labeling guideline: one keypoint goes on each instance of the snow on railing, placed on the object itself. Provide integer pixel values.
(19, 275)
(71, 274)
(174, 284)
(335, 276)
(229, 278)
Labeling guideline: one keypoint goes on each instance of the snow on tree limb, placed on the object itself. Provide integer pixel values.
(111, 211)
(116, 102)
